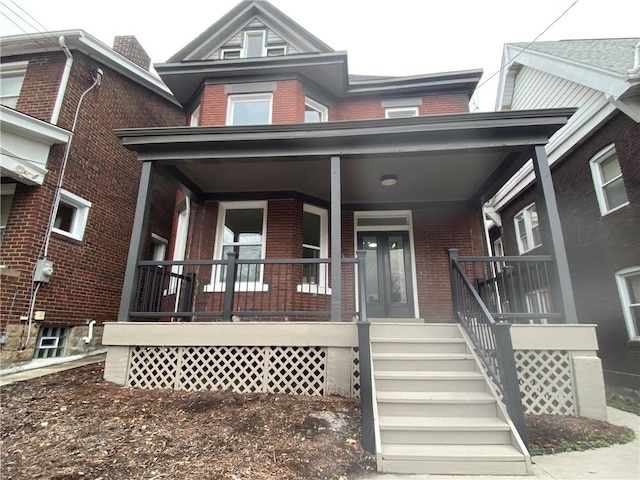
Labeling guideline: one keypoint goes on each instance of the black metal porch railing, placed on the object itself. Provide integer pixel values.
(491, 339)
(518, 289)
(233, 288)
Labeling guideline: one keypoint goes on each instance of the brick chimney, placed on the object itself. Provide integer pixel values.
(129, 47)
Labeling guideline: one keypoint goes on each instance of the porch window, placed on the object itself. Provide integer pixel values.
(315, 112)
(628, 281)
(194, 119)
(401, 112)
(314, 245)
(249, 109)
(11, 79)
(498, 251)
(7, 190)
(607, 179)
(242, 229)
(527, 229)
(72, 215)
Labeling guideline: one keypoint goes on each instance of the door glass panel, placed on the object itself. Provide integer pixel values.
(396, 264)
(370, 245)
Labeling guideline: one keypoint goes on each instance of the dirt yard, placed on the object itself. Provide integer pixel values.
(73, 425)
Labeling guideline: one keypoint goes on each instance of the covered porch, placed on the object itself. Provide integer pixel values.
(298, 201)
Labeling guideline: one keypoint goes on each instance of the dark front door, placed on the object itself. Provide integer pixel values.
(389, 285)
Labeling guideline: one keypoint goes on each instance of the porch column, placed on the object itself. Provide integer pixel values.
(336, 245)
(137, 239)
(549, 220)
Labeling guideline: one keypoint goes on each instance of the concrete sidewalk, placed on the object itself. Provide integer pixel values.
(39, 368)
(619, 462)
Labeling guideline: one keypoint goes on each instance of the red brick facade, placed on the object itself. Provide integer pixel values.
(88, 274)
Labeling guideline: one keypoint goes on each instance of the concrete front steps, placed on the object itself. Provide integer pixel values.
(436, 412)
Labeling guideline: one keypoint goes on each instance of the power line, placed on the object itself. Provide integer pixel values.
(529, 44)
(48, 49)
(45, 29)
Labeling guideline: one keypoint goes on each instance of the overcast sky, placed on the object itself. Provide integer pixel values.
(399, 37)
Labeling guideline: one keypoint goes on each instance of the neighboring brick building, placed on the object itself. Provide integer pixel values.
(44, 80)
(596, 173)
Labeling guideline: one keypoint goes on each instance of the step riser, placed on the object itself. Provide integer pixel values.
(411, 347)
(454, 467)
(440, 437)
(435, 385)
(413, 331)
(386, 365)
(408, 409)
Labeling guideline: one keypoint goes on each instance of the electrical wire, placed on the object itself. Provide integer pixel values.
(47, 48)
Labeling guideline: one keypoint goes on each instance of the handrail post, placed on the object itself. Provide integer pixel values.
(455, 295)
(364, 351)
(509, 377)
(229, 286)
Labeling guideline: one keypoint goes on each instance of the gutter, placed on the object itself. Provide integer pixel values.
(63, 83)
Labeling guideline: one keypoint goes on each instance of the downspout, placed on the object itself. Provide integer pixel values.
(66, 73)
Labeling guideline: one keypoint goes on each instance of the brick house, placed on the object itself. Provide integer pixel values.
(63, 267)
(596, 175)
(328, 239)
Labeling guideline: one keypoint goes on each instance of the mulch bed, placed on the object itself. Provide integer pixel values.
(74, 425)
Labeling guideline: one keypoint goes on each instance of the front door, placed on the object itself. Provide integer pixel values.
(389, 285)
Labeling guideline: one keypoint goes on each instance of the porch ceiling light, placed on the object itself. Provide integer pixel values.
(388, 180)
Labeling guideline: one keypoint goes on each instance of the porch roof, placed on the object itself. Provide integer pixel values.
(438, 158)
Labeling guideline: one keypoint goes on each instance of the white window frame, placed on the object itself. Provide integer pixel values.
(248, 97)
(411, 111)
(526, 215)
(179, 248)
(625, 300)
(159, 245)
(498, 251)
(7, 192)
(540, 295)
(13, 69)
(215, 284)
(320, 288)
(323, 110)
(194, 118)
(276, 47)
(245, 42)
(80, 217)
(224, 51)
(599, 183)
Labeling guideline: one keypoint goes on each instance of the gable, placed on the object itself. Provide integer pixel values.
(229, 31)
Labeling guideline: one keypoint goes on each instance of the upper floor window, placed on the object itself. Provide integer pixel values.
(7, 190)
(276, 51)
(249, 109)
(254, 43)
(628, 281)
(400, 112)
(527, 229)
(194, 118)
(607, 179)
(315, 112)
(72, 215)
(11, 79)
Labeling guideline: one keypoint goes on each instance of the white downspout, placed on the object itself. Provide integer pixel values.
(89, 336)
(66, 73)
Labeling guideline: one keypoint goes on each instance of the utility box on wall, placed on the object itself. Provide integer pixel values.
(44, 271)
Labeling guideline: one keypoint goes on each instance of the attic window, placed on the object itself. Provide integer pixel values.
(254, 44)
(401, 112)
(276, 51)
(230, 54)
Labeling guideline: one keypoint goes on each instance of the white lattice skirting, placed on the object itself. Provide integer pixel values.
(546, 381)
(286, 369)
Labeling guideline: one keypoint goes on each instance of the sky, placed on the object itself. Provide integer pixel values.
(399, 37)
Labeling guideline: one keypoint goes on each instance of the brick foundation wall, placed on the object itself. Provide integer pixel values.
(88, 276)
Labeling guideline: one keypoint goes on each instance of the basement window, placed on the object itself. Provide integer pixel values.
(51, 342)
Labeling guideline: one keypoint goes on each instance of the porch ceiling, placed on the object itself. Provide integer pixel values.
(443, 158)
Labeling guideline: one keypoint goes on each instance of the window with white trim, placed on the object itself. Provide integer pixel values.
(401, 112)
(315, 112)
(51, 342)
(276, 51)
(607, 180)
(242, 228)
(71, 215)
(230, 53)
(498, 251)
(315, 244)
(11, 80)
(194, 118)
(7, 190)
(527, 229)
(628, 281)
(254, 44)
(538, 301)
(249, 109)
(158, 248)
